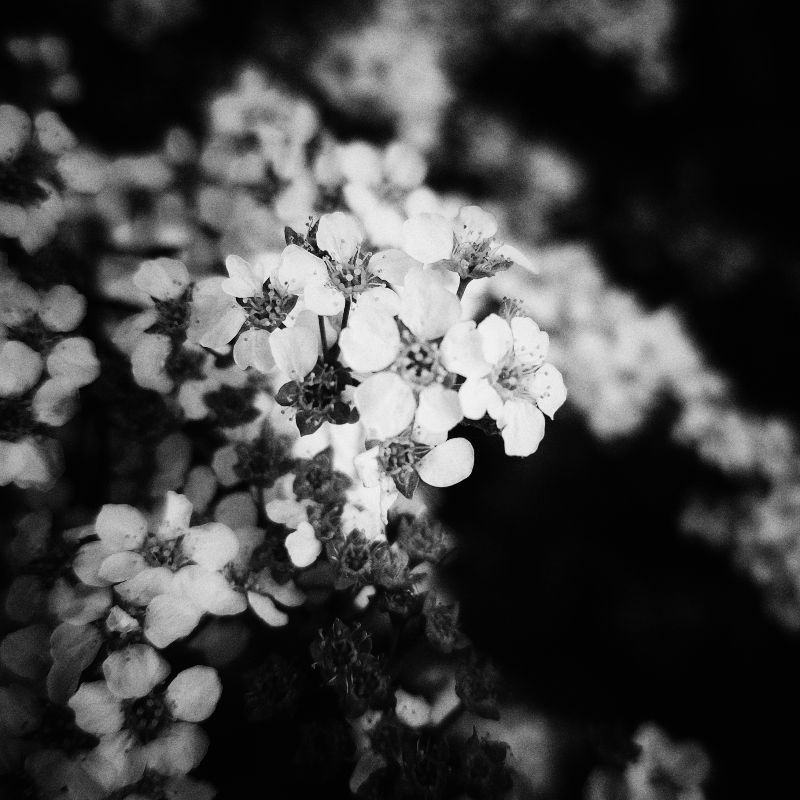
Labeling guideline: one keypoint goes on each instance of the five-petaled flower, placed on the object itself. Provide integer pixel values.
(506, 377)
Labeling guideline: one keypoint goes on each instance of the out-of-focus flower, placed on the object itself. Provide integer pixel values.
(141, 726)
(168, 568)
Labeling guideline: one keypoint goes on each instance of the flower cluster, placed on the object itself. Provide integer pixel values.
(287, 353)
(42, 366)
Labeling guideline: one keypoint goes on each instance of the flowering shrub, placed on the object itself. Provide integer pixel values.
(277, 342)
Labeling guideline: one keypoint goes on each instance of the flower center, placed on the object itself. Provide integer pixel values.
(419, 363)
(16, 418)
(269, 309)
(34, 334)
(349, 279)
(397, 456)
(145, 717)
(158, 553)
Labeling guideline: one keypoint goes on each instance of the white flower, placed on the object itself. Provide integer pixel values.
(172, 570)
(374, 184)
(396, 466)
(30, 462)
(466, 244)
(343, 274)
(162, 278)
(161, 734)
(416, 388)
(506, 377)
(264, 593)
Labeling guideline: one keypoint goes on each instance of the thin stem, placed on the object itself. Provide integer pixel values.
(322, 335)
(462, 286)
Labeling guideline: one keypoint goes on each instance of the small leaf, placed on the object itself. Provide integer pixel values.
(406, 481)
(308, 423)
(292, 236)
(288, 393)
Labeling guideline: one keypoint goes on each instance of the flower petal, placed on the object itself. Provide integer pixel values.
(392, 266)
(461, 351)
(371, 340)
(62, 309)
(20, 368)
(477, 396)
(74, 362)
(303, 546)
(475, 224)
(143, 587)
(208, 590)
(521, 426)
(428, 238)
(170, 618)
(121, 527)
(193, 694)
(386, 404)
(162, 278)
(215, 316)
(177, 750)
(496, 338)
(122, 566)
(211, 545)
(339, 234)
(134, 671)
(548, 388)
(242, 282)
(287, 594)
(97, 711)
(439, 408)
(174, 518)
(447, 464)
(368, 468)
(252, 349)
(298, 267)
(87, 562)
(55, 402)
(323, 299)
(426, 307)
(267, 610)
(530, 343)
(412, 710)
(295, 351)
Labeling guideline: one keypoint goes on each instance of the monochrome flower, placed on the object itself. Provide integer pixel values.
(168, 568)
(411, 384)
(143, 724)
(465, 245)
(342, 272)
(506, 377)
(396, 465)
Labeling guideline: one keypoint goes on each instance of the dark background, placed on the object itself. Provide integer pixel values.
(601, 612)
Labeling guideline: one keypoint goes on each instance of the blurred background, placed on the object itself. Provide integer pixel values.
(644, 565)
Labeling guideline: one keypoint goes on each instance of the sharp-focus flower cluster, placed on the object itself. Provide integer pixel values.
(286, 355)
